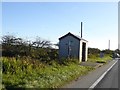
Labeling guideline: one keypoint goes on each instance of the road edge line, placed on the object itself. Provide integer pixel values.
(101, 77)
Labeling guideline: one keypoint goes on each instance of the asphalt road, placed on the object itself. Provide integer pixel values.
(110, 80)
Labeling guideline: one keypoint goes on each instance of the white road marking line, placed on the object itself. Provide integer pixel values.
(101, 77)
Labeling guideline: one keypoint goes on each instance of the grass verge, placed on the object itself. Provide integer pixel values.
(104, 59)
(27, 73)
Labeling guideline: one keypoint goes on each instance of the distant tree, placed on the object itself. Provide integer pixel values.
(8, 41)
(107, 51)
(39, 49)
(41, 43)
(13, 46)
(93, 50)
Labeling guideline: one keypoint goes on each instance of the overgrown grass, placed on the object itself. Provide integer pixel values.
(97, 59)
(28, 73)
